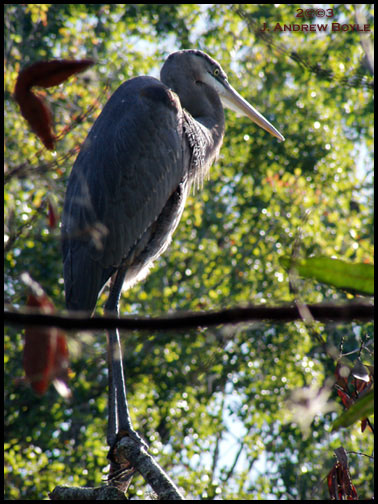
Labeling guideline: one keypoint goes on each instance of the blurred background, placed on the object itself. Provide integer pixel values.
(212, 403)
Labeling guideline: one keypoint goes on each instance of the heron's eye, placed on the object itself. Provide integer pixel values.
(216, 72)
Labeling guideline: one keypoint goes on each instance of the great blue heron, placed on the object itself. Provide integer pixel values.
(130, 181)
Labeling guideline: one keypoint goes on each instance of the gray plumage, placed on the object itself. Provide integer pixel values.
(130, 181)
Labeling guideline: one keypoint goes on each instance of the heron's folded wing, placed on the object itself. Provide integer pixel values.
(129, 166)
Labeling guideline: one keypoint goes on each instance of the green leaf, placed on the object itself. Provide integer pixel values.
(360, 409)
(356, 277)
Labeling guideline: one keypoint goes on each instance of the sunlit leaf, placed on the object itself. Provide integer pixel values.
(362, 408)
(355, 277)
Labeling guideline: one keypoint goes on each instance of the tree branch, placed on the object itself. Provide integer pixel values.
(128, 451)
(86, 493)
(324, 312)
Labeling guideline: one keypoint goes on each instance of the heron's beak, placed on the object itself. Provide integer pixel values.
(232, 99)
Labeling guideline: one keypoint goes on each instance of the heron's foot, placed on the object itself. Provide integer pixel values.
(120, 476)
(122, 470)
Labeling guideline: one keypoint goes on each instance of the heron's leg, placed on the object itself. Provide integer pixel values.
(119, 416)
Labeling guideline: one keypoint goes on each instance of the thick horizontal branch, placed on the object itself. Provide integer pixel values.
(84, 493)
(326, 312)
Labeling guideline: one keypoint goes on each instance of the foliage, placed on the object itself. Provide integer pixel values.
(211, 403)
(356, 278)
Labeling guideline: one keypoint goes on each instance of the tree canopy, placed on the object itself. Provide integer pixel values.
(214, 403)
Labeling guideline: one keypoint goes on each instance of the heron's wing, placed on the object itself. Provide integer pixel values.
(131, 163)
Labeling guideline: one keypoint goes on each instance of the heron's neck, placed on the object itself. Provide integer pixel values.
(210, 134)
(203, 120)
(207, 121)
(205, 141)
(214, 125)
(204, 105)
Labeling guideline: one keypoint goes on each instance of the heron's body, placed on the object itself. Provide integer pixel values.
(129, 184)
(126, 193)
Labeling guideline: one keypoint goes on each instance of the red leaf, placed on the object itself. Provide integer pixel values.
(363, 424)
(53, 214)
(45, 352)
(360, 385)
(338, 479)
(332, 483)
(347, 401)
(50, 73)
(34, 109)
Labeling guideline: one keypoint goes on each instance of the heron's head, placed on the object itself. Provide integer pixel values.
(188, 68)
